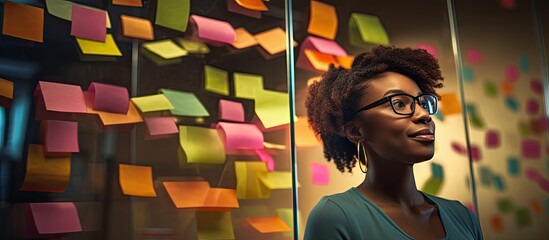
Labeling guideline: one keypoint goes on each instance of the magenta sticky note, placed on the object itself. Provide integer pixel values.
(458, 148)
(213, 30)
(492, 139)
(60, 136)
(320, 174)
(475, 153)
(240, 135)
(429, 48)
(161, 126)
(474, 56)
(233, 6)
(512, 73)
(89, 23)
(319, 45)
(60, 97)
(508, 4)
(266, 158)
(231, 111)
(530, 148)
(532, 106)
(536, 86)
(55, 217)
(109, 98)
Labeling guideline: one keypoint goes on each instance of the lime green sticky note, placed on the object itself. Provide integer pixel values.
(272, 108)
(107, 48)
(523, 128)
(217, 80)
(173, 14)
(248, 185)
(505, 206)
(432, 186)
(214, 225)
(63, 9)
(193, 46)
(152, 103)
(287, 215)
(491, 89)
(366, 30)
(246, 85)
(166, 48)
(276, 179)
(201, 145)
(523, 217)
(185, 103)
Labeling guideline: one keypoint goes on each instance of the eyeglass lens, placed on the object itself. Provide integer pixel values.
(404, 104)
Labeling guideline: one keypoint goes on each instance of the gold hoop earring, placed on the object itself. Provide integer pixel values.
(359, 146)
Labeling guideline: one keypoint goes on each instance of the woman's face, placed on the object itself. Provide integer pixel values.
(405, 138)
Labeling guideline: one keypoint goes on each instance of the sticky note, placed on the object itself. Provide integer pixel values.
(475, 120)
(185, 103)
(490, 89)
(322, 49)
(166, 49)
(276, 180)
(437, 171)
(107, 48)
(523, 128)
(213, 30)
(511, 73)
(6, 92)
(508, 4)
(214, 225)
(23, 21)
(59, 97)
(193, 46)
(505, 205)
(136, 180)
(320, 174)
(432, 186)
(243, 38)
(536, 86)
(475, 152)
(459, 148)
(272, 108)
(240, 135)
(524, 63)
(248, 185)
(55, 217)
(199, 194)
(492, 139)
(109, 98)
(88, 23)
(246, 85)
(131, 117)
(536, 207)
(137, 27)
(266, 158)
(161, 126)
(513, 166)
(151, 103)
(268, 224)
(173, 14)
(366, 30)
(201, 145)
(430, 48)
(257, 5)
(474, 56)
(304, 135)
(496, 223)
(60, 136)
(323, 20)
(449, 103)
(234, 7)
(63, 9)
(499, 183)
(468, 74)
(217, 80)
(523, 218)
(231, 111)
(130, 3)
(486, 177)
(45, 174)
(530, 148)
(273, 40)
(507, 87)
(532, 106)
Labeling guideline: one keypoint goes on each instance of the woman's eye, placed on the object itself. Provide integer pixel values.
(399, 104)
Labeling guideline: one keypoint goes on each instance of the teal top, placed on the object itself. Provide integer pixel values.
(350, 215)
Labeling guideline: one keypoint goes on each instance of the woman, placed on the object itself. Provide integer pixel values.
(379, 113)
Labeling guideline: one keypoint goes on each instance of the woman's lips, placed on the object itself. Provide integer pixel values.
(424, 138)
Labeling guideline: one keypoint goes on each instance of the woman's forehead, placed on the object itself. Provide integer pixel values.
(391, 82)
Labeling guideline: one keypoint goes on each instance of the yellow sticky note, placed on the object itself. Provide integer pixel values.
(273, 41)
(107, 48)
(320, 61)
(243, 39)
(6, 88)
(136, 180)
(167, 49)
(248, 185)
(45, 174)
(201, 145)
(272, 108)
(137, 27)
(217, 80)
(274, 146)
(304, 135)
(449, 103)
(323, 20)
(214, 225)
(287, 215)
(246, 85)
(152, 103)
(268, 224)
(276, 179)
(366, 30)
(193, 46)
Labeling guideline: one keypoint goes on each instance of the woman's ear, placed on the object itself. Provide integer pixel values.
(353, 132)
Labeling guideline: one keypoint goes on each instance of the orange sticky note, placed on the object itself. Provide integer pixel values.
(6, 92)
(320, 61)
(137, 27)
(345, 61)
(304, 135)
(108, 118)
(507, 88)
(273, 41)
(253, 4)
(198, 194)
(449, 103)
(136, 180)
(45, 174)
(131, 3)
(243, 39)
(268, 224)
(323, 20)
(23, 21)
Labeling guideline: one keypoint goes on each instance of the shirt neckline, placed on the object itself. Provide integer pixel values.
(428, 198)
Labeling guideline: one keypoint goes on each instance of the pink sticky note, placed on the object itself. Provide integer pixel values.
(509, 4)
(458, 148)
(60, 136)
(320, 174)
(429, 48)
(492, 139)
(55, 217)
(532, 106)
(474, 56)
(161, 126)
(320, 45)
(60, 97)
(536, 86)
(89, 23)
(475, 153)
(512, 73)
(109, 98)
(231, 111)
(240, 135)
(534, 175)
(234, 7)
(266, 158)
(530, 148)
(214, 30)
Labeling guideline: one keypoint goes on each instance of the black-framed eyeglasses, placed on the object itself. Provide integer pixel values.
(405, 104)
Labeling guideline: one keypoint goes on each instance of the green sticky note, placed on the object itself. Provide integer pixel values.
(437, 170)
(505, 206)
(499, 183)
(217, 80)
(173, 14)
(214, 225)
(366, 30)
(246, 85)
(476, 121)
(287, 214)
(523, 218)
(513, 166)
(432, 186)
(193, 46)
(60, 8)
(491, 89)
(201, 145)
(468, 74)
(185, 103)
(272, 108)
(523, 128)
(486, 176)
